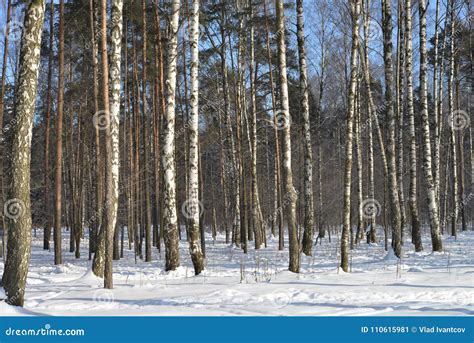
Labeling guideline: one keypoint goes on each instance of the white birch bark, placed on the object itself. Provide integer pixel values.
(308, 156)
(193, 179)
(168, 154)
(413, 200)
(430, 188)
(290, 192)
(355, 10)
(17, 209)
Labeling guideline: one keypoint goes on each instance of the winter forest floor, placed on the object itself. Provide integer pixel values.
(259, 283)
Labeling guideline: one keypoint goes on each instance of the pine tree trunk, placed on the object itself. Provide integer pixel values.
(390, 119)
(59, 146)
(430, 188)
(355, 10)
(290, 192)
(168, 153)
(415, 217)
(47, 180)
(193, 209)
(17, 207)
(146, 138)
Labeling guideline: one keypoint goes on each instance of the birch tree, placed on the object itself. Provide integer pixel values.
(413, 199)
(390, 119)
(452, 123)
(112, 131)
(430, 188)
(355, 11)
(17, 209)
(168, 154)
(290, 191)
(193, 178)
(308, 156)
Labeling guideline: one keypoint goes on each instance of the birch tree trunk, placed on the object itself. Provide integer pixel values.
(290, 192)
(372, 237)
(430, 188)
(308, 156)
(229, 136)
(168, 154)
(112, 132)
(400, 115)
(355, 10)
(256, 214)
(193, 178)
(390, 119)
(452, 123)
(17, 207)
(97, 268)
(436, 114)
(413, 200)
(277, 218)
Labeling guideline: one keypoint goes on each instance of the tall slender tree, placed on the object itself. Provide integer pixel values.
(17, 206)
(391, 148)
(112, 131)
(355, 11)
(290, 191)
(413, 199)
(193, 179)
(168, 153)
(59, 144)
(308, 154)
(430, 188)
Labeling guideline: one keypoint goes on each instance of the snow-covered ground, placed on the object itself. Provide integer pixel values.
(259, 283)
